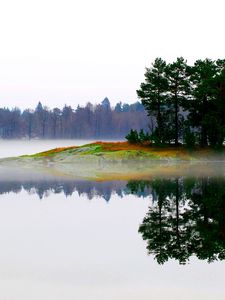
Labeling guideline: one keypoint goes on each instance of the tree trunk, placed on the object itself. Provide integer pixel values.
(176, 119)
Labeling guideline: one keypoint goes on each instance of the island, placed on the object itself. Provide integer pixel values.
(118, 160)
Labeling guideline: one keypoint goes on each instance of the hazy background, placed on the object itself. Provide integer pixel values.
(73, 52)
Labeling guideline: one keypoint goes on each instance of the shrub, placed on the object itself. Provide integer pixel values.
(135, 137)
(132, 136)
(143, 137)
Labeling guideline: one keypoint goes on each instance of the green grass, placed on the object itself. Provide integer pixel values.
(122, 151)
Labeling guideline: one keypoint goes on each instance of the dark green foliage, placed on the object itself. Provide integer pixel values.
(153, 94)
(143, 136)
(201, 103)
(175, 93)
(134, 137)
(156, 137)
(215, 131)
(138, 187)
(178, 88)
(186, 219)
(189, 137)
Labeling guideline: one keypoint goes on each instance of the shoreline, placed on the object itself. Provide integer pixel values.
(115, 161)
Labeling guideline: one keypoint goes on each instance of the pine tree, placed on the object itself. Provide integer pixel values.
(152, 93)
(178, 89)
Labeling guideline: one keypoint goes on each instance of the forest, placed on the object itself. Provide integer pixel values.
(180, 104)
(188, 101)
(88, 122)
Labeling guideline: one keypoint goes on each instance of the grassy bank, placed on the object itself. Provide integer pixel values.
(123, 151)
(118, 161)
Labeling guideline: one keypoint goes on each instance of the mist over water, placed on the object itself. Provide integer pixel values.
(152, 236)
(10, 148)
(80, 239)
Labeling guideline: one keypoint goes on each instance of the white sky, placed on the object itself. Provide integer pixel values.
(77, 51)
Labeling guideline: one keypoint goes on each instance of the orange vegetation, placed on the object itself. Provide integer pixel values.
(169, 151)
(116, 146)
(166, 152)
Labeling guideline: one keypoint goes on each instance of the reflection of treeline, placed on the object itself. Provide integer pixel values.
(89, 188)
(91, 121)
(187, 218)
(187, 215)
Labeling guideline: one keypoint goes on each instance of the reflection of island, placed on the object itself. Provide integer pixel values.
(44, 187)
(187, 218)
(187, 215)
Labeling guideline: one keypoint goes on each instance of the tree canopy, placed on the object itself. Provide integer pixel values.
(186, 100)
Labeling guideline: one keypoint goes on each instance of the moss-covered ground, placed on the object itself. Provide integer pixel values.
(124, 151)
(119, 161)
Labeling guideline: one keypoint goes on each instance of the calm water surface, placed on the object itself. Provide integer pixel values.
(148, 239)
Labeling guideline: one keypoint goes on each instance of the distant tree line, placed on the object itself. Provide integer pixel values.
(90, 121)
(188, 102)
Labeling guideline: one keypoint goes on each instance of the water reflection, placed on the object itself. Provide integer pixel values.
(187, 218)
(43, 188)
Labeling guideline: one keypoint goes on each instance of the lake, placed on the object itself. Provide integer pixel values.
(155, 238)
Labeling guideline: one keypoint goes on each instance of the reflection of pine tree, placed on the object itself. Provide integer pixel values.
(208, 205)
(139, 187)
(155, 228)
(166, 225)
(187, 218)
